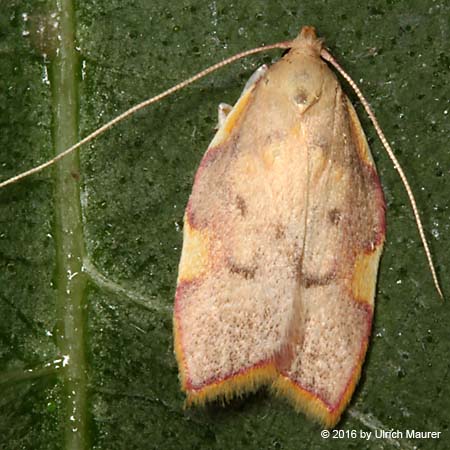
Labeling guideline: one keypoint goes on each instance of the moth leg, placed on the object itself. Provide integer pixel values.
(256, 76)
(224, 108)
(222, 113)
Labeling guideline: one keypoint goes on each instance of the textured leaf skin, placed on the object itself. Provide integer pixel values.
(135, 183)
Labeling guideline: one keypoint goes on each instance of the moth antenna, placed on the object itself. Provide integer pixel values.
(328, 57)
(138, 107)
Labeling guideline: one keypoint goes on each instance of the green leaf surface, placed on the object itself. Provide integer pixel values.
(89, 249)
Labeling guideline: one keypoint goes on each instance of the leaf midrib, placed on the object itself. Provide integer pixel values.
(69, 241)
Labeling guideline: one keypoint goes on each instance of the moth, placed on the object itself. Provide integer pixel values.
(282, 238)
(283, 234)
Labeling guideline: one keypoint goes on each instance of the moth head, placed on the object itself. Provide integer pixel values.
(308, 40)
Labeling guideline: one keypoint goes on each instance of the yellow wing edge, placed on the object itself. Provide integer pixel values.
(236, 385)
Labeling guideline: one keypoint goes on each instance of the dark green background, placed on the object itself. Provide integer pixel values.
(134, 184)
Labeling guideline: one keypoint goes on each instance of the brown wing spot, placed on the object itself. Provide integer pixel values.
(313, 280)
(246, 272)
(335, 216)
(280, 231)
(301, 97)
(241, 205)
